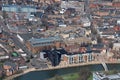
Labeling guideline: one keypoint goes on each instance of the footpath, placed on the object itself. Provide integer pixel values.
(57, 67)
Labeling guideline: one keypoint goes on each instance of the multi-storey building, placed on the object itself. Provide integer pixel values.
(37, 45)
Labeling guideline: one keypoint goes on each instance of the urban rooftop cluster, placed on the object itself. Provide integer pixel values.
(42, 34)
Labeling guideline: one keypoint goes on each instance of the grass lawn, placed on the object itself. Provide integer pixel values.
(90, 78)
(73, 76)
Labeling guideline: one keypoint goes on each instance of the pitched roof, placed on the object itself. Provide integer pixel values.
(37, 42)
(9, 63)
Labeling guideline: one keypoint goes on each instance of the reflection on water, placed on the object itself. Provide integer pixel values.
(43, 75)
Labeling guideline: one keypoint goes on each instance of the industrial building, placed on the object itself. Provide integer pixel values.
(37, 45)
(17, 8)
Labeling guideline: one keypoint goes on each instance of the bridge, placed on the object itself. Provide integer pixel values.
(104, 66)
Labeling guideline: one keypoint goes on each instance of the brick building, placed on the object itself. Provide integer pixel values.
(37, 45)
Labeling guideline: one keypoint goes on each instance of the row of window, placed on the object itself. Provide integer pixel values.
(80, 59)
(43, 44)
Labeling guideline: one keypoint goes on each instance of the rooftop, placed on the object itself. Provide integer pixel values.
(37, 42)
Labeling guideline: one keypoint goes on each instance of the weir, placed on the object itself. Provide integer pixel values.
(104, 66)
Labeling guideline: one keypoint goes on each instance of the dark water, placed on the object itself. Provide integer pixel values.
(43, 75)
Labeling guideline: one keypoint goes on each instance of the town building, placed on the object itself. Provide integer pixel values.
(77, 58)
(16, 8)
(1, 71)
(10, 68)
(81, 54)
(78, 6)
(36, 45)
(53, 55)
(116, 46)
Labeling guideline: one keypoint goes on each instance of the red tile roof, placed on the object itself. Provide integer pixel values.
(116, 4)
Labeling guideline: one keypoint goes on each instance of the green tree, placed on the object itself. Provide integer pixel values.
(57, 77)
(111, 45)
(84, 74)
(99, 39)
(94, 31)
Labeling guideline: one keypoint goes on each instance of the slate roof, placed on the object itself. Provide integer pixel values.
(43, 41)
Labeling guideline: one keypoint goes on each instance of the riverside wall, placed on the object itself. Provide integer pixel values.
(57, 67)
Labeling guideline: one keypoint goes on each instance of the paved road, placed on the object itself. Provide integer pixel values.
(20, 44)
(17, 41)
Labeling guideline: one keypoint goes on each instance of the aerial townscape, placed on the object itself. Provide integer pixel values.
(45, 35)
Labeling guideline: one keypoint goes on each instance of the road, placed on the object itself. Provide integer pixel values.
(20, 44)
(17, 41)
(14, 37)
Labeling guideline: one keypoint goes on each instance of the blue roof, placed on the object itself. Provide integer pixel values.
(16, 8)
(28, 6)
(43, 41)
(100, 45)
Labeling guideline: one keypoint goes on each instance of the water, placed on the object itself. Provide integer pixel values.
(43, 75)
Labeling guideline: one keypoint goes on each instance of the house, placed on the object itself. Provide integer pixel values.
(87, 32)
(107, 32)
(116, 28)
(93, 5)
(98, 49)
(102, 13)
(36, 45)
(85, 22)
(116, 46)
(116, 4)
(10, 68)
(1, 71)
(78, 6)
(3, 55)
(76, 41)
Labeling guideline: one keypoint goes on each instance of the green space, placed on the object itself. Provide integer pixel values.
(82, 75)
(73, 76)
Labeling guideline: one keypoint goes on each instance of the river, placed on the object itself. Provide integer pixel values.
(45, 74)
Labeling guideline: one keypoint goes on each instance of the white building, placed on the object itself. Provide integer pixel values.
(78, 6)
(102, 76)
(85, 22)
(116, 46)
(43, 56)
(77, 58)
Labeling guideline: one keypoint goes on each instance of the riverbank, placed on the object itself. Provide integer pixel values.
(57, 67)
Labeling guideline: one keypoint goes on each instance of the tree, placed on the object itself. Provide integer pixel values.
(84, 74)
(57, 77)
(99, 39)
(111, 45)
(94, 31)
